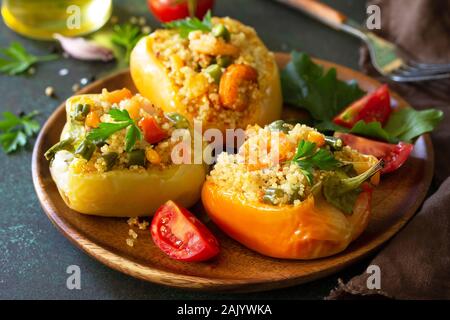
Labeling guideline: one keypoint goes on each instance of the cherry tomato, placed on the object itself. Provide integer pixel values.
(151, 130)
(375, 106)
(179, 234)
(394, 155)
(168, 10)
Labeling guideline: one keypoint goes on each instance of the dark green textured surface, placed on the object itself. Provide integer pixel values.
(34, 255)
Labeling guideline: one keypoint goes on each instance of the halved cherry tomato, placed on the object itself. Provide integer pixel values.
(375, 106)
(394, 155)
(168, 10)
(179, 234)
(153, 133)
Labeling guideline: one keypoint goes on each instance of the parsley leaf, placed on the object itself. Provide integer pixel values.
(307, 157)
(123, 121)
(186, 26)
(306, 85)
(126, 36)
(16, 60)
(15, 130)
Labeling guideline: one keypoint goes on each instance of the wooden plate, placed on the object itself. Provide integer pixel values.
(236, 268)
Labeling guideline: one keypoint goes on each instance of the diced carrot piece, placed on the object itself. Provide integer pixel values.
(117, 95)
(152, 156)
(92, 119)
(316, 137)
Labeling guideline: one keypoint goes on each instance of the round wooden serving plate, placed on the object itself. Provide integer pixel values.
(237, 268)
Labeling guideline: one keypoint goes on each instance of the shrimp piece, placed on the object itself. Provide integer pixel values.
(234, 85)
(210, 45)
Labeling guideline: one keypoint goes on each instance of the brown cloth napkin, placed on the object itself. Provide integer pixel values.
(415, 264)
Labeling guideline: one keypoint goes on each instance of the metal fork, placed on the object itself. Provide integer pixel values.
(387, 58)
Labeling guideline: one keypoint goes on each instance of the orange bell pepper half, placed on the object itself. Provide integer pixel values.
(311, 230)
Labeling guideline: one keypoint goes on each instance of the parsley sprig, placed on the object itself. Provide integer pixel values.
(126, 36)
(186, 26)
(308, 157)
(123, 121)
(16, 60)
(15, 131)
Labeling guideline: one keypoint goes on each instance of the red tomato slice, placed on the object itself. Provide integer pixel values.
(394, 155)
(151, 130)
(179, 234)
(168, 10)
(375, 106)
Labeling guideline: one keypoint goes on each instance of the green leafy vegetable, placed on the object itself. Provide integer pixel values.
(403, 125)
(16, 130)
(308, 157)
(126, 36)
(373, 130)
(17, 60)
(186, 26)
(342, 191)
(106, 129)
(407, 123)
(306, 85)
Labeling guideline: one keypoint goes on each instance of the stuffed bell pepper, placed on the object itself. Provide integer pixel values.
(291, 192)
(114, 157)
(217, 72)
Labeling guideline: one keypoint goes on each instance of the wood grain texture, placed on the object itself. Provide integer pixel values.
(236, 269)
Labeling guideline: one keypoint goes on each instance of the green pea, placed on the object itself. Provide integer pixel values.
(223, 61)
(279, 125)
(271, 195)
(81, 111)
(178, 120)
(220, 31)
(110, 160)
(215, 72)
(85, 149)
(66, 144)
(136, 158)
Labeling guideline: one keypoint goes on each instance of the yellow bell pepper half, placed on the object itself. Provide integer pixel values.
(311, 230)
(152, 80)
(123, 193)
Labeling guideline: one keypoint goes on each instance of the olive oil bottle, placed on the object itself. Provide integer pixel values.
(40, 19)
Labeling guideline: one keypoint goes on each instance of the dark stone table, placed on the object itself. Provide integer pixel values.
(34, 255)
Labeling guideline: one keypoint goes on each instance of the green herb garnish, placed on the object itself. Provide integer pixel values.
(15, 131)
(308, 157)
(17, 60)
(186, 26)
(342, 191)
(126, 36)
(123, 121)
(306, 85)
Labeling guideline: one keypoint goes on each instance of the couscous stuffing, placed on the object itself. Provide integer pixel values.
(263, 173)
